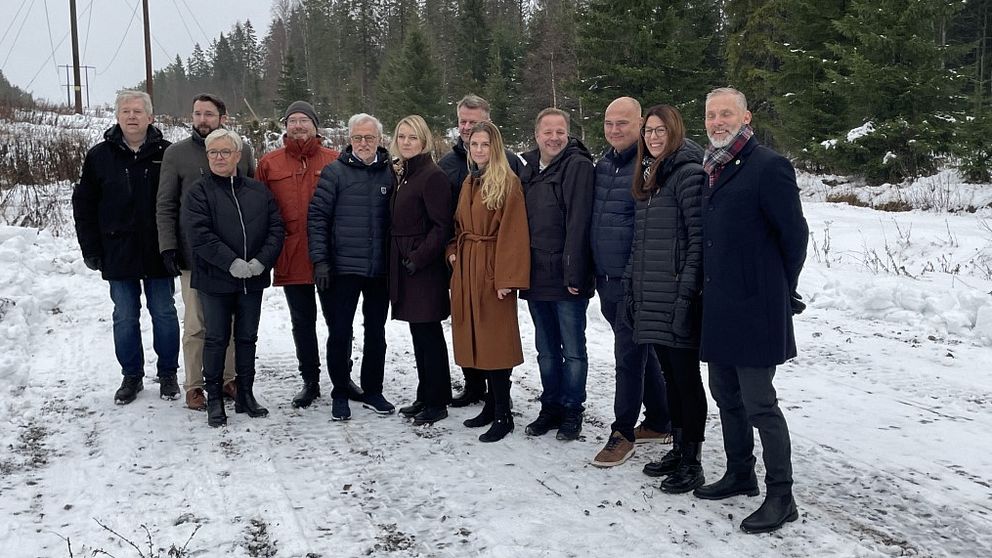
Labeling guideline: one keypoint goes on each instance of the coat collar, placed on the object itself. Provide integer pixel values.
(302, 150)
(731, 168)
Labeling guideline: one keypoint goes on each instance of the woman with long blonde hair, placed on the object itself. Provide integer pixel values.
(490, 260)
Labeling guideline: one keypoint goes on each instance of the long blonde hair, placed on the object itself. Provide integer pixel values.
(495, 179)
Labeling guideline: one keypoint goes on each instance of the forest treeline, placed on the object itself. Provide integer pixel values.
(914, 77)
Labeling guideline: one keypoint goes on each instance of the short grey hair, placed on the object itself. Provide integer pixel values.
(128, 95)
(472, 101)
(224, 133)
(738, 96)
(362, 118)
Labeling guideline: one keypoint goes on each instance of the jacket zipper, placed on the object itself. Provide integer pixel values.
(244, 232)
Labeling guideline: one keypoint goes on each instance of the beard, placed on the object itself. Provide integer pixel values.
(720, 144)
(204, 130)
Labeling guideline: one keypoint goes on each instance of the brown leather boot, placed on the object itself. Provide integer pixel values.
(196, 400)
(231, 390)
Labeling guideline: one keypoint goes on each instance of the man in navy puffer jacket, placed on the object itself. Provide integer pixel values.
(638, 373)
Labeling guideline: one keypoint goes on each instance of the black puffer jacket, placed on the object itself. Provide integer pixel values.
(226, 218)
(559, 208)
(348, 218)
(613, 212)
(455, 165)
(113, 206)
(666, 258)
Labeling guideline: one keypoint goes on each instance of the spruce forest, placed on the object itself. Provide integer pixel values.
(883, 89)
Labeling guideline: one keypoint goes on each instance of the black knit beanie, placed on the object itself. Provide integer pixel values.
(305, 108)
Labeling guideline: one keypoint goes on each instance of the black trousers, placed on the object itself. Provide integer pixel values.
(340, 311)
(302, 304)
(246, 309)
(431, 353)
(747, 400)
(684, 386)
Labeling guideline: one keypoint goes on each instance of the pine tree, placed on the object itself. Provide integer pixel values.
(655, 52)
(292, 85)
(409, 83)
(895, 70)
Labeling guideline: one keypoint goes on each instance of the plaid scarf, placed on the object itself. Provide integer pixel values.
(716, 158)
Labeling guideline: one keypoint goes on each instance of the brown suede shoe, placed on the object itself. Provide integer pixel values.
(230, 390)
(618, 449)
(644, 435)
(196, 400)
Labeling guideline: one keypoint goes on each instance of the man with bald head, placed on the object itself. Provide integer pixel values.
(638, 372)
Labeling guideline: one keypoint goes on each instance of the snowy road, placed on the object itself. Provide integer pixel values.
(889, 402)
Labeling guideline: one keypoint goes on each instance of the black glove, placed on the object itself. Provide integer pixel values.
(171, 261)
(627, 310)
(410, 267)
(682, 318)
(322, 276)
(797, 303)
(93, 262)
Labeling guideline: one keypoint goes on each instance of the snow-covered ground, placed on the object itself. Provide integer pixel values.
(889, 402)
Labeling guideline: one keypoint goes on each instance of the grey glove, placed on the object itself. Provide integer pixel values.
(240, 269)
(256, 267)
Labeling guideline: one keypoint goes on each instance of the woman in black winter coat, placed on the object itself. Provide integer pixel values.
(665, 274)
(418, 277)
(233, 226)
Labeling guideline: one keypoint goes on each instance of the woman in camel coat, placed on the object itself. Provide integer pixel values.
(490, 259)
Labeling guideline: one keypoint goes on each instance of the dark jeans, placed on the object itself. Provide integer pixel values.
(747, 399)
(302, 305)
(218, 309)
(160, 297)
(686, 396)
(431, 353)
(560, 336)
(342, 302)
(638, 372)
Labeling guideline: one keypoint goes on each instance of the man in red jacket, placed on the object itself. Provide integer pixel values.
(291, 173)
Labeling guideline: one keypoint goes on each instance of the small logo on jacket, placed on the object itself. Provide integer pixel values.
(383, 190)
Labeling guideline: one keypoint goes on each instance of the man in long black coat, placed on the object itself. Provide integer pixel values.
(754, 246)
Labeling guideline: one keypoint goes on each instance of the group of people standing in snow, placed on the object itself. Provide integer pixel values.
(695, 254)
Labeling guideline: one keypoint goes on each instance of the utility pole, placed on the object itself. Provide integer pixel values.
(148, 51)
(75, 58)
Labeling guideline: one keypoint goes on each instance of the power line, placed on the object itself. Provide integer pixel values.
(197, 22)
(18, 35)
(165, 52)
(126, 31)
(51, 42)
(13, 19)
(51, 56)
(182, 18)
(89, 20)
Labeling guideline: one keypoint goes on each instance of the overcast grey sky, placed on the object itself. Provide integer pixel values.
(26, 46)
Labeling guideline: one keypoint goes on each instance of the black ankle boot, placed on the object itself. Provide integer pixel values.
(245, 402)
(306, 396)
(499, 393)
(485, 417)
(777, 510)
(689, 474)
(730, 484)
(216, 416)
(670, 461)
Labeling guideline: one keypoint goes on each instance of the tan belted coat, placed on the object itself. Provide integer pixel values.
(492, 249)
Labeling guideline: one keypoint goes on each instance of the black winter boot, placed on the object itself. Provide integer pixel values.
(571, 425)
(499, 394)
(670, 461)
(689, 474)
(216, 416)
(550, 417)
(776, 511)
(130, 386)
(475, 389)
(245, 402)
(310, 391)
(488, 413)
(730, 484)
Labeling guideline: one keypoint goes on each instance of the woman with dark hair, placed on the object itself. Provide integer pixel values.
(420, 228)
(665, 273)
(236, 234)
(490, 259)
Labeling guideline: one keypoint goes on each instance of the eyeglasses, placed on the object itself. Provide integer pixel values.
(219, 153)
(297, 121)
(659, 131)
(366, 139)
